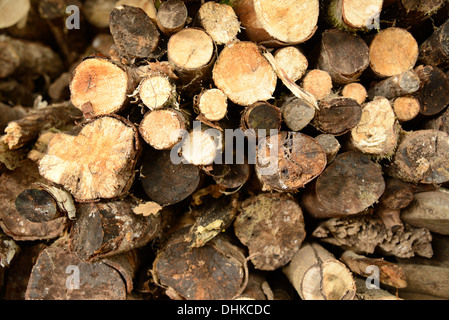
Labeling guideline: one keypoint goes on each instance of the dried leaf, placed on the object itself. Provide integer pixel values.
(147, 208)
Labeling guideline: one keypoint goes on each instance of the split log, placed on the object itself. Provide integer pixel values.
(9, 114)
(215, 271)
(163, 128)
(213, 217)
(292, 61)
(220, 22)
(12, 12)
(22, 57)
(15, 223)
(377, 133)
(366, 234)
(106, 229)
(421, 157)
(272, 227)
(428, 280)
(429, 210)
(330, 145)
(390, 274)
(297, 113)
(289, 160)
(355, 91)
(403, 84)
(261, 116)
(353, 16)
(317, 275)
(392, 52)
(435, 50)
(90, 163)
(406, 108)
(243, 74)
(349, 185)
(343, 55)
(165, 182)
(276, 24)
(157, 91)
(433, 93)
(100, 86)
(21, 132)
(171, 16)
(212, 104)
(337, 116)
(67, 277)
(318, 83)
(135, 34)
(192, 53)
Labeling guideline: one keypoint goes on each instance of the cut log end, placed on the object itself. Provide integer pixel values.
(406, 108)
(392, 52)
(171, 16)
(99, 87)
(162, 129)
(199, 148)
(220, 22)
(243, 74)
(90, 165)
(318, 83)
(213, 104)
(355, 91)
(292, 61)
(156, 91)
(297, 113)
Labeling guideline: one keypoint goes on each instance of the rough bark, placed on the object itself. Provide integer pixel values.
(349, 185)
(435, 50)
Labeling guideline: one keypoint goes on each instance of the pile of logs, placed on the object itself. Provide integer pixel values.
(139, 137)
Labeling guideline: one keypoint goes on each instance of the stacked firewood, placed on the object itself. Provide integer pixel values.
(240, 149)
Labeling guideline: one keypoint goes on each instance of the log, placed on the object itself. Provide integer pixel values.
(353, 16)
(330, 145)
(146, 5)
(392, 52)
(100, 228)
(403, 84)
(406, 108)
(432, 94)
(192, 53)
(220, 22)
(171, 16)
(243, 74)
(215, 271)
(337, 116)
(9, 250)
(421, 157)
(157, 91)
(87, 163)
(389, 274)
(318, 83)
(12, 12)
(67, 277)
(97, 12)
(201, 147)
(296, 113)
(272, 227)
(317, 275)
(276, 24)
(36, 205)
(135, 34)
(429, 210)
(212, 104)
(9, 113)
(377, 132)
(343, 55)
(16, 224)
(435, 50)
(100, 86)
(288, 161)
(231, 177)
(428, 280)
(349, 185)
(22, 57)
(165, 182)
(163, 128)
(439, 123)
(365, 234)
(355, 91)
(21, 132)
(257, 288)
(261, 116)
(364, 293)
(214, 216)
(292, 61)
